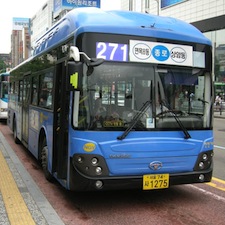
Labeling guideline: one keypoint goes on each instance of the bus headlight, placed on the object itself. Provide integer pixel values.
(204, 161)
(94, 161)
(98, 170)
(90, 164)
(201, 165)
(204, 157)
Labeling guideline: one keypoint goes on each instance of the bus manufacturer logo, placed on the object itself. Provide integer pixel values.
(156, 165)
(119, 156)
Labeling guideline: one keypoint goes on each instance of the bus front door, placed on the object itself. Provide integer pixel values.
(61, 112)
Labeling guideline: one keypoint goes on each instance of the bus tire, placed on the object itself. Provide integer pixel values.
(44, 161)
(16, 140)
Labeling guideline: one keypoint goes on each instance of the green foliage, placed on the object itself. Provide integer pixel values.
(3, 66)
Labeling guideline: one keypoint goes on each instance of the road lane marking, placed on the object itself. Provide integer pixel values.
(16, 208)
(217, 183)
(218, 180)
(217, 146)
(215, 196)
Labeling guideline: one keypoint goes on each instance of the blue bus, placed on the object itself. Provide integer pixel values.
(117, 100)
(4, 86)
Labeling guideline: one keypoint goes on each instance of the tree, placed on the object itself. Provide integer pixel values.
(3, 66)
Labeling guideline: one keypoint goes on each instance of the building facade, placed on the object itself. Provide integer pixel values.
(16, 47)
(20, 40)
(25, 34)
(41, 21)
(51, 12)
(25, 43)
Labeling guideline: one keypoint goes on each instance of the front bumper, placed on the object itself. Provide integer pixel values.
(80, 182)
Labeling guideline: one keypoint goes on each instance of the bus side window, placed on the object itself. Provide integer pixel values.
(43, 96)
(49, 100)
(34, 90)
(46, 85)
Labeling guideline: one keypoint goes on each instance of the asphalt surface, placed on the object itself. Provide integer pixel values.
(38, 206)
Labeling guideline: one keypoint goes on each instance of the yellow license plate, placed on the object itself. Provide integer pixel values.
(155, 181)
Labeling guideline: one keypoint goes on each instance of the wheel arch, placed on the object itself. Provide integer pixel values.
(43, 154)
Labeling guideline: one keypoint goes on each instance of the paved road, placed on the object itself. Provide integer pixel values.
(199, 204)
(219, 148)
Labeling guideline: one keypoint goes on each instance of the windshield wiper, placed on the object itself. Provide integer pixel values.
(203, 101)
(136, 118)
(185, 131)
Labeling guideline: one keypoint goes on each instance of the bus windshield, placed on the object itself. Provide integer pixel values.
(115, 93)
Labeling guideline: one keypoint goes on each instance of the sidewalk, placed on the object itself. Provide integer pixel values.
(21, 200)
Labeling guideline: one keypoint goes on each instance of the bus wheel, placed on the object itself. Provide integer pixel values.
(16, 140)
(44, 161)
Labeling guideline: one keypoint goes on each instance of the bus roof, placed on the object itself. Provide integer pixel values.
(90, 19)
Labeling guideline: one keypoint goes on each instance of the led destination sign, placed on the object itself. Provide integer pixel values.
(147, 52)
(112, 51)
(161, 53)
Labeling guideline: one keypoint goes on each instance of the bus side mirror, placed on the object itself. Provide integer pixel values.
(74, 75)
(90, 62)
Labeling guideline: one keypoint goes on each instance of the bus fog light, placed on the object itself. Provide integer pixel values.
(98, 170)
(201, 165)
(98, 184)
(94, 161)
(201, 177)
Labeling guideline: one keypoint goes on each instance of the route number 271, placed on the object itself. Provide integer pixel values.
(112, 51)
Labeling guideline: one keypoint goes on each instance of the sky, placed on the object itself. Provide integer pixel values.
(27, 9)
